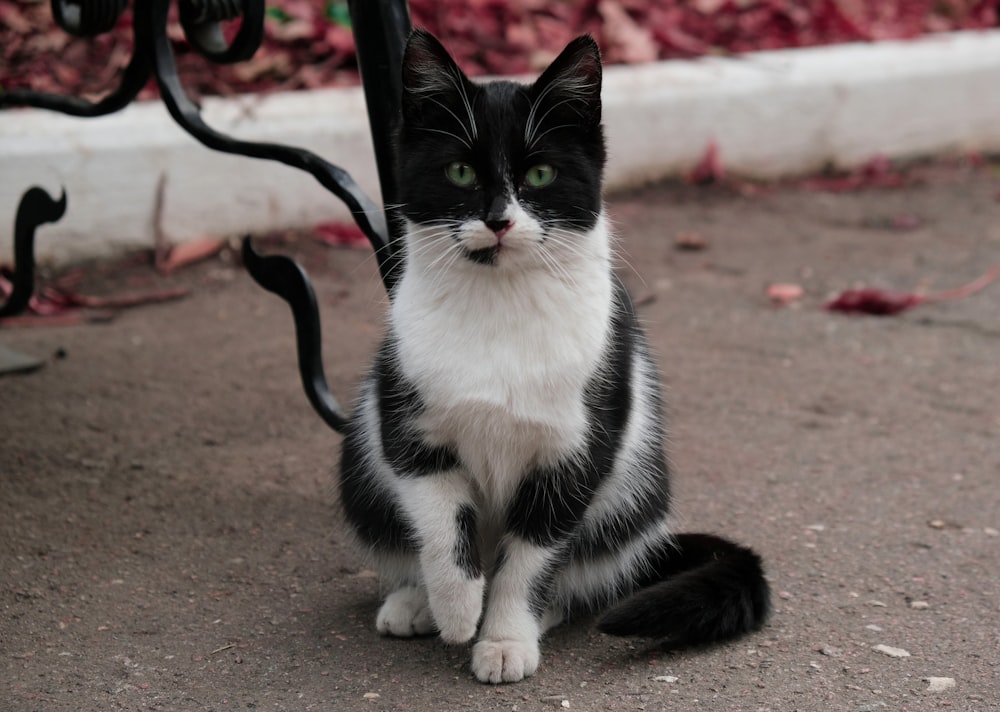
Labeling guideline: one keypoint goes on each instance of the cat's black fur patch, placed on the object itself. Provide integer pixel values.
(484, 255)
(466, 549)
(372, 511)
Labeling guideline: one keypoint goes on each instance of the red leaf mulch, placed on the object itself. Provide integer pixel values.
(881, 302)
(308, 43)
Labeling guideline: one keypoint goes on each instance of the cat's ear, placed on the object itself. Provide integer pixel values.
(574, 78)
(428, 69)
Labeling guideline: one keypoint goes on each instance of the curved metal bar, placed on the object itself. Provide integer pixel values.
(36, 208)
(367, 214)
(381, 28)
(133, 79)
(203, 31)
(87, 18)
(286, 278)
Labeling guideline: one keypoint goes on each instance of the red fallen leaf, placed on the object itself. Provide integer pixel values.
(708, 7)
(49, 302)
(340, 39)
(190, 252)
(341, 234)
(122, 301)
(683, 43)
(14, 19)
(58, 302)
(709, 168)
(879, 302)
(782, 293)
(690, 241)
(625, 40)
(294, 29)
(264, 65)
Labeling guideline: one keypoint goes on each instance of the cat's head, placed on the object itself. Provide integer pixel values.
(500, 168)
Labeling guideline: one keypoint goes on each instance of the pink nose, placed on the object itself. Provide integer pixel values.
(499, 227)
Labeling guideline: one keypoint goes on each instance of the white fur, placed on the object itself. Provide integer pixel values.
(508, 647)
(497, 661)
(405, 613)
(455, 600)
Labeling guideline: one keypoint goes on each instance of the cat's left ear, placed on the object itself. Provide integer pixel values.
(428, 69)
(574, 77)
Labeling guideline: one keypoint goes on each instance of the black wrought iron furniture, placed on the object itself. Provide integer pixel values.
(380, 30)
(36, 208)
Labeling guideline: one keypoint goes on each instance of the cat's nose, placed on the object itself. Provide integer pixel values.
(499, 227)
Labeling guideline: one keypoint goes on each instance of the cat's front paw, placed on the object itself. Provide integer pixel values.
(497, 661)
(405, 613)
(456, 608)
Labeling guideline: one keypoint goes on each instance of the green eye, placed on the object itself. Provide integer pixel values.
(540, 176)
(461, 174)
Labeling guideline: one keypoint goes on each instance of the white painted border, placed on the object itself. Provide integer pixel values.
(771, 113)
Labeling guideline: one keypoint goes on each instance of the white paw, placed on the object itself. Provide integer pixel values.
(499, 661)
(405, 613)
(457, 608)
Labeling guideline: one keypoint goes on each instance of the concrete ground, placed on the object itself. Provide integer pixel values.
(168, 538)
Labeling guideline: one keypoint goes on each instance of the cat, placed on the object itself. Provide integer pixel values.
(504, 467)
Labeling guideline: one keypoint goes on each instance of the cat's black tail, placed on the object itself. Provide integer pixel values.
(705, 589)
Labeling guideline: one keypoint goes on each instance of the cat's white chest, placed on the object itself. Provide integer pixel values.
(501, 363)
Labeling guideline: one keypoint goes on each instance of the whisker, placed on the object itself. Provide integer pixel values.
(529, 127)
(577, 91)
(618, 255)
(377, 253)
(460, 85)
(544, 134)
(448, 133)
(557, 268)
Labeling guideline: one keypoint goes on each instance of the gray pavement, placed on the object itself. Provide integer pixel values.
(168, 539)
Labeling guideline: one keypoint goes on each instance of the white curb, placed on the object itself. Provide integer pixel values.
(771, 114)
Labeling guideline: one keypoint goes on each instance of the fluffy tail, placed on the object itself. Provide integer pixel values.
(703, 590)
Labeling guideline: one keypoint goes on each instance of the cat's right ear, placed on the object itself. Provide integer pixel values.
(573, 80)
(428, 69)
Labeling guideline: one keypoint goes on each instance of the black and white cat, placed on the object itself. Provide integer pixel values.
(504, 467)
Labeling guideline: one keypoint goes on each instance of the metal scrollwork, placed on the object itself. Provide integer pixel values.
(202, 21)
(87, 18)
(35, 209)
(380, 30)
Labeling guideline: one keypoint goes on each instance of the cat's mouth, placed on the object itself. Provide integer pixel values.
(484, 255)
